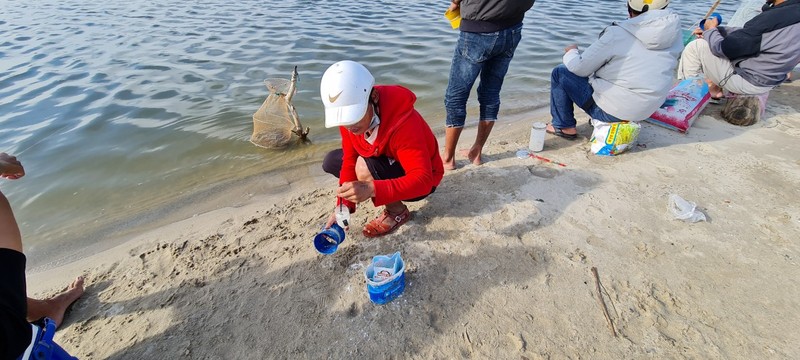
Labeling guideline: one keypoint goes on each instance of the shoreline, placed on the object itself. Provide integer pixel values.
(498, 260)
(245, 190)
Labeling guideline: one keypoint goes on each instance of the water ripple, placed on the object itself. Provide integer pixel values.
(116, 107)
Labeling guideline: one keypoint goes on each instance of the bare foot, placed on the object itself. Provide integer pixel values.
(714, 90)
(474, 156)
(449, 164)
(55, 307)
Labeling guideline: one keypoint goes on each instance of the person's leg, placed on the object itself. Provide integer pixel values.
(690, 64)
(10, 237)
(714, 90)
(484, 129)
(377, 169)
(332, 164)
(492, 74)
(595, 112)
(16, 332)
(697, 59)
(738, 85)
(718, 71)
(55, 307)
(566, 90)
(464, 69)
(451, 135)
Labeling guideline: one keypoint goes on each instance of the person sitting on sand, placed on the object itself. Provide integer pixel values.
(389, 153)
(16, 332)
(750, 60)
(623, 76)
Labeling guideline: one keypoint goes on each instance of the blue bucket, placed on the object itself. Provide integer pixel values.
(386, 278)
(713, 15)
(328, 240)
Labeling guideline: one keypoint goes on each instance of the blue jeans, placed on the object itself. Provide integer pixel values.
(484, 54)
(566, 89)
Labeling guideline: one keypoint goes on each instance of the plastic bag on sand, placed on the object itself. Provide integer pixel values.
(685, 210)
(611, 139)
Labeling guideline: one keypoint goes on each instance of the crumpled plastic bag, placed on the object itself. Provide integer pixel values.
(685, 210)
(610, 139)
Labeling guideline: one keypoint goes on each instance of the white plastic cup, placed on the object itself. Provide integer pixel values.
(536, 143)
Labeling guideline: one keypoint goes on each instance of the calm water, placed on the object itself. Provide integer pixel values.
(124, 111)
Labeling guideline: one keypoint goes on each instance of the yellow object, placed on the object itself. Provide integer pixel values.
(454, 17)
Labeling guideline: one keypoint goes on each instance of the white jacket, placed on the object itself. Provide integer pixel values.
(632, 65)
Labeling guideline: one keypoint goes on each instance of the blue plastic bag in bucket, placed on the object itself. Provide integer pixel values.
(386, 278)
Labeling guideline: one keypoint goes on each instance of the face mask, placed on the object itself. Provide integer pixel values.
(371, 134)
(375, 121)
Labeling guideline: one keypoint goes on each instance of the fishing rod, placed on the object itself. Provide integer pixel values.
(710, 11)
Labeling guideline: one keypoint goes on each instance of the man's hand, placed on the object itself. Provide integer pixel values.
(710, 23)
(570, 47)
(356, 191)
(698, 32)
(455, 4)
(10, 167)
(332, 220)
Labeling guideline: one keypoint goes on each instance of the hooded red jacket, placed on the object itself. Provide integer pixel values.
(404, 136)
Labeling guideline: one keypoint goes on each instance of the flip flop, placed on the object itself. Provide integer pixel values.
(557, 132)
(377, 227)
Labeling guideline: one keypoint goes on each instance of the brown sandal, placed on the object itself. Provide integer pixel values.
(377, 227)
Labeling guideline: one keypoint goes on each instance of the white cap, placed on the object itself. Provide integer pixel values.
(644, 5)
(345, 90)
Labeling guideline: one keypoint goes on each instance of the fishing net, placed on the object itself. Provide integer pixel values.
(272, 122)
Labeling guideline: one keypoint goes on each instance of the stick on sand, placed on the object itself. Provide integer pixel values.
(602, 302)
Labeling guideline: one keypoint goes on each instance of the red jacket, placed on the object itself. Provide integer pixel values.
(404, 136)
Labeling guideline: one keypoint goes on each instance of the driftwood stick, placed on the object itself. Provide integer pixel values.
(298, 128)
(711, 10)
(292, 86)
(602, 302)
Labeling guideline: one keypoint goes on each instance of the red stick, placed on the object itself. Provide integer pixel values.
(547, 160)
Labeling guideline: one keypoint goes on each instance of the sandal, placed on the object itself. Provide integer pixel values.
(377, 227)
(557, 132)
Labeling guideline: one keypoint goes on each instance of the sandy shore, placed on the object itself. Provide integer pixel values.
(498, 260)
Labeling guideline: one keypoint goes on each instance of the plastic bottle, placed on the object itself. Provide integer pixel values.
(536, 143)
(342, 214)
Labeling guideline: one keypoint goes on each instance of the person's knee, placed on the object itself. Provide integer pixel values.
(333, 162)
(362, 170)
(558, 72)
(697, 47)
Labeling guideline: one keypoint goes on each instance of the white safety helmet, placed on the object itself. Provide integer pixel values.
(644, 5)
(345, 90)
